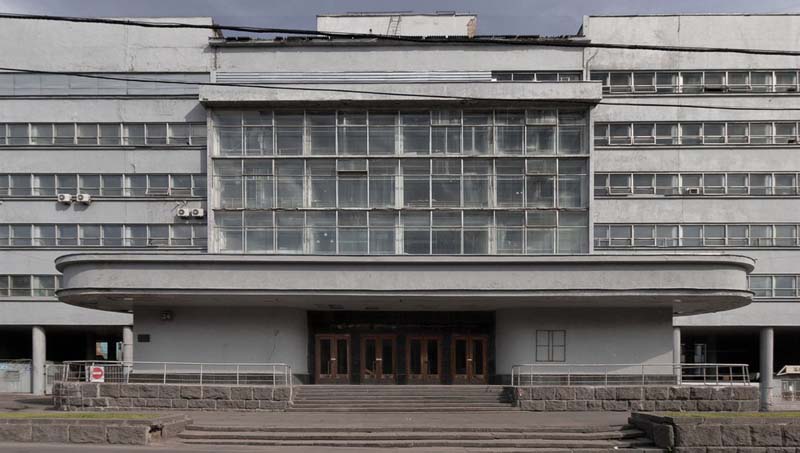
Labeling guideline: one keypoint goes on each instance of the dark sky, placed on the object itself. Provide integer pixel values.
(543, 17)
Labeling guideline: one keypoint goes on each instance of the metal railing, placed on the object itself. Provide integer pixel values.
(630, 374)
(269, 374)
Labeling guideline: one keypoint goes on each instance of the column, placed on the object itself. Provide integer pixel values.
(127, 344)
(38, 357)
(766, 359)
(676, 353)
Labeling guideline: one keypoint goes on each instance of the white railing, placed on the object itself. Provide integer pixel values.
(271, 374)
(630, 374)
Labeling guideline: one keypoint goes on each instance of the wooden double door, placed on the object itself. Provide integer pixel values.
(423, 359)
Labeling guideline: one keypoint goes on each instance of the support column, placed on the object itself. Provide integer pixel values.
(127, 344)
(676, 353)
(38, 358)
(766, 359)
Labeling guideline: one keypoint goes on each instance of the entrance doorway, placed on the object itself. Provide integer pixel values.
(468, 359)
(333, 359)
(378, 359)
(424, 359)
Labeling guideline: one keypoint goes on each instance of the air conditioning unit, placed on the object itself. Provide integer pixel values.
(84, 198)
(184, 213)
(692, 191)
(198, 213)
(65, 198)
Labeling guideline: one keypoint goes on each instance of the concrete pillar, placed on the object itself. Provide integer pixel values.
(127, 344)
(766, 359)
(676, 353)
(38, 358)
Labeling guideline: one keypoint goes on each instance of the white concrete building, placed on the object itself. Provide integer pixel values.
(406, 212)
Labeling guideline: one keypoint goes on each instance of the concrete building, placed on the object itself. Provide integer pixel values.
(414, 212)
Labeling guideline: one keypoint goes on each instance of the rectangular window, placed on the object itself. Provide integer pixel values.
(416, 183)
(551, 345)
(761, 285)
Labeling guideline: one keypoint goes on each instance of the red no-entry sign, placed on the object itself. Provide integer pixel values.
(97, 374)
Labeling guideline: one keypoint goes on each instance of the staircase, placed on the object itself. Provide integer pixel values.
(497, 440)
(401, 398)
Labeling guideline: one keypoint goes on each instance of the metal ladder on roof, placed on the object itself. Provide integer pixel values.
(394, 25)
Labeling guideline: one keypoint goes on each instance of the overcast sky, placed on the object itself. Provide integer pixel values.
(542, 17)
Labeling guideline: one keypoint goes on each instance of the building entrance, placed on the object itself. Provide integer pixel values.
(421, 348)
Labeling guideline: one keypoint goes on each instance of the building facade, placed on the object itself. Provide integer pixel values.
(384, 211)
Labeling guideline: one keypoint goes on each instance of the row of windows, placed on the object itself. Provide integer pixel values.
(19, 84)
(394, 183)
(94, 235)
(29, 285)
(105, 134)
(714, 184)
(537, 76)
(388, 133)
(774, 286)
(671, 82)
(406, 232)
(706, 235)
(738, 133)
(106, 185)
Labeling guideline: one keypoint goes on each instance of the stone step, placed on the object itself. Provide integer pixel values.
(403, 409)
(400, 398)
(406, 428)
(460, 443)
(368, 435)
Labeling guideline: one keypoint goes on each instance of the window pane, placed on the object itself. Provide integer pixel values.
(416, 183)
(541, 139)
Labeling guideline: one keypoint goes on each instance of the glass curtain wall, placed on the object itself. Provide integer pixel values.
(440, 182)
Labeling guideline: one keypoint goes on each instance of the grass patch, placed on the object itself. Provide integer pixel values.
(75, 415)
(788, 414)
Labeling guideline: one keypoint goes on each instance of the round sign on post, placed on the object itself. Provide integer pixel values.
(97, 374)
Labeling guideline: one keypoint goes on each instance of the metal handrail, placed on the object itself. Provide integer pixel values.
(526, 375)
(202, 373)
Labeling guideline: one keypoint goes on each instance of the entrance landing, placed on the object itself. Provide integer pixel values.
(403, 398)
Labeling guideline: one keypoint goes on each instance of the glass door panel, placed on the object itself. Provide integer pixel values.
(469, 359)
(377, 359)
(423, 359)
(332, 358)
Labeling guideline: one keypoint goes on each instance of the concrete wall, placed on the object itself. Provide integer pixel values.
(425, 57)
(594, 336)
(406, 24)
(778, 32)
(101, 47)
(244, 335)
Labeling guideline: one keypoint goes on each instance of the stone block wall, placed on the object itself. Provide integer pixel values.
(107, 396)
(637, 398)
(698, 434)
(91, 431)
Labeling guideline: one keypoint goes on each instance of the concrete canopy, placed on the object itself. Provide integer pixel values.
(689, 284)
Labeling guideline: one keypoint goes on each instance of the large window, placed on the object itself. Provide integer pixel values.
(412, 232)
(696, 235)
(774, 286)
(23, 285)
(694, 82)
(103, 134)
(441, 182)
(469, 183)
(715, 184)
(103, 235)
(409, 133)
(696, 134)
(103, 185)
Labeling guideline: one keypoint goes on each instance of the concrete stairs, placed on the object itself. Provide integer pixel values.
(401, 398)
(497, 440)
